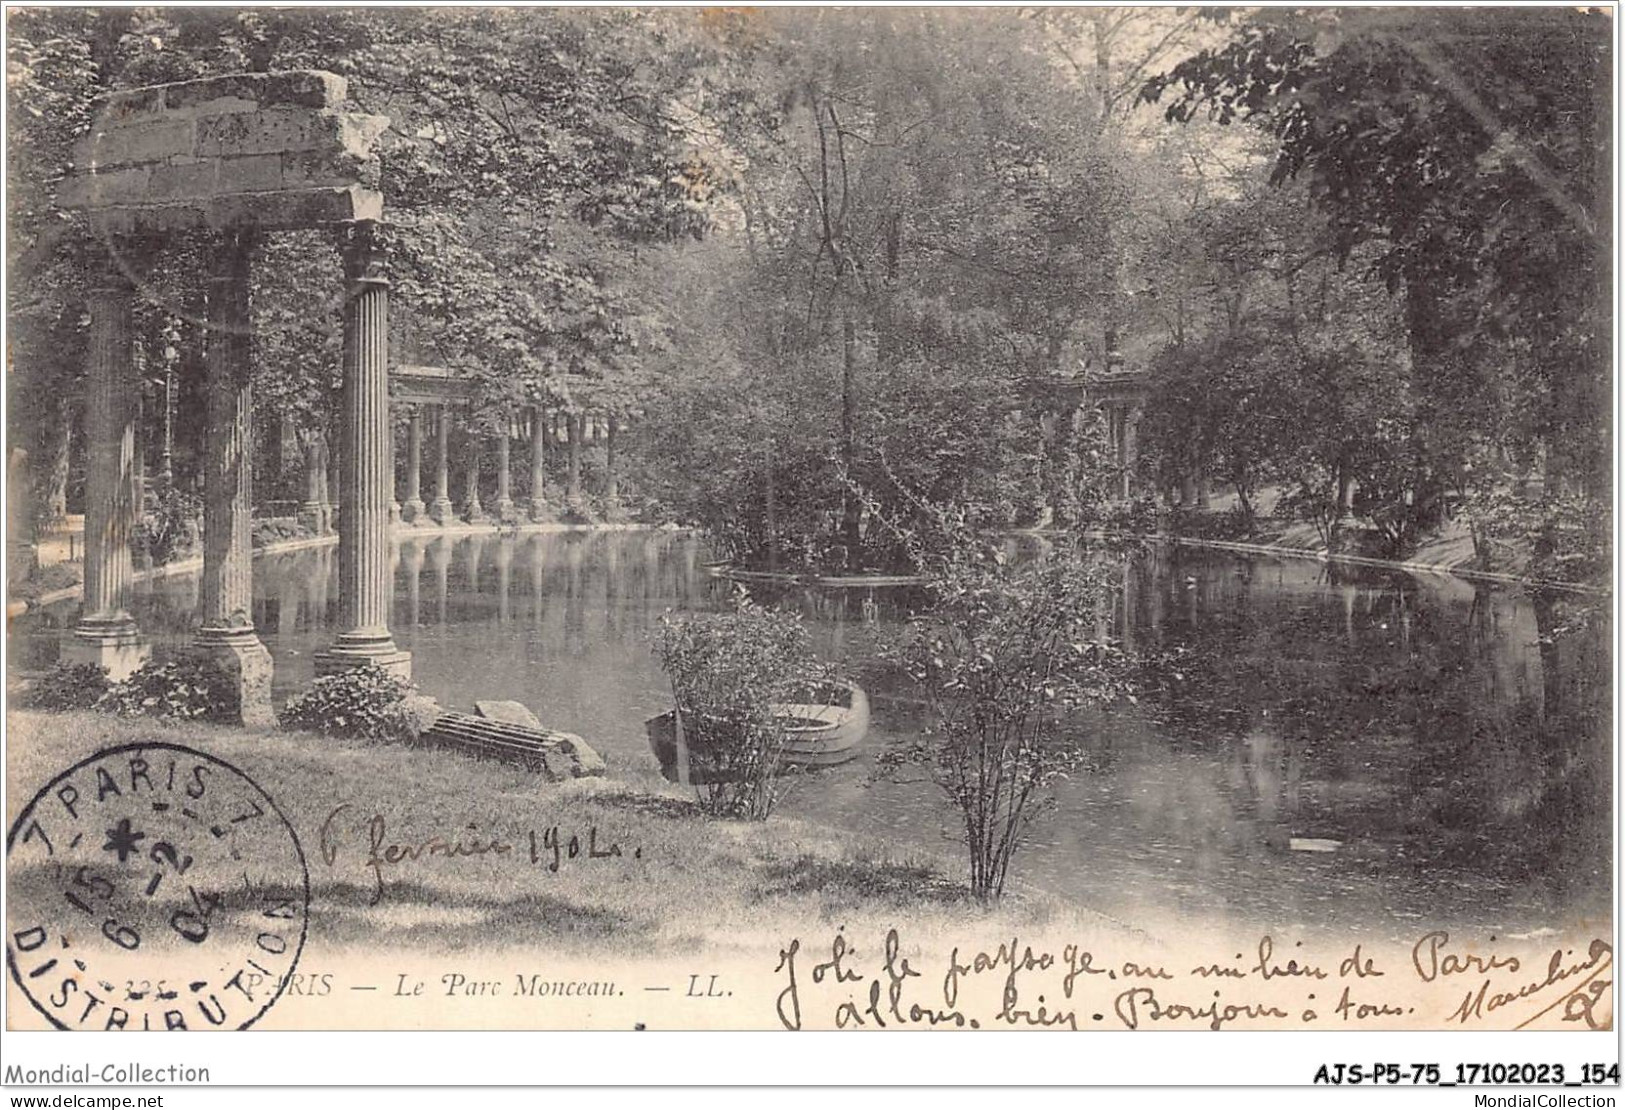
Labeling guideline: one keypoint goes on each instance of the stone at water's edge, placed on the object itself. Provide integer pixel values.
(510, 712)
(422, 712)
(584, 761)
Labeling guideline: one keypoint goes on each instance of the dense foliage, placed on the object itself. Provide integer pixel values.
(1454, 161)
(367, 703)
(69, 686)
(188, 687)
(820, 263)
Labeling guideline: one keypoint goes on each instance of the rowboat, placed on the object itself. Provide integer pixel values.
(821, 727)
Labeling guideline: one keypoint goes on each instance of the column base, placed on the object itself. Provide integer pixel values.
(412, 511)
(474, 513)
(364, 649)
(316, 517)
(114, 645)
(503, 510)
(1344, 536)
(21, 558)
(440, 510)
(394, 512)
(240, 654)
(539, 510)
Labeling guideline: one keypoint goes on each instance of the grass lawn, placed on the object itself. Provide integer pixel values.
(682, 882)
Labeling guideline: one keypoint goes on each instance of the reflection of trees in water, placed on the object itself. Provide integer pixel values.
(1449, 726)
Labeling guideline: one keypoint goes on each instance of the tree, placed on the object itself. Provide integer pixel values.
(919, 222)
(1467, 162)
(1006, 655)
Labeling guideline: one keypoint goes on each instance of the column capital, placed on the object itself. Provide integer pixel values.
(365, 260)
(119, 263)
(229, 256)
(110, 271)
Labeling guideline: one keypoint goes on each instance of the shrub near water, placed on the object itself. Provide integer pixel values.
(69, 686)
(187, 687)
(727, 670)
(368, 703)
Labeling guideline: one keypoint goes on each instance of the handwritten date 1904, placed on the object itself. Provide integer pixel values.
(549, 848)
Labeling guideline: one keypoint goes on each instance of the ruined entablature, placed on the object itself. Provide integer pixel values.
(250, 150)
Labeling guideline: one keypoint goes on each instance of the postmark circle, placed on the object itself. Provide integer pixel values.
(154, 887)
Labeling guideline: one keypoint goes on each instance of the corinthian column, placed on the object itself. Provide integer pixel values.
(440, 509)
(365, 473)
(472, 510)
(412, 510)
(538, 465)
(504, 506)
(106, 635)
(227, 632)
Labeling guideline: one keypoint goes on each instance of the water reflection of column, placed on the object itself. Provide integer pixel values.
(394, 573)
(415, 554)
(1407, 599)
(612, 587)
(686, 581)
(440, 555)
(319, 587)
(504, 558)
(838, 618)
(1260, 750)
(575, 616)
(1128, 604)
(538, 579)
(473, 555)
(1131, 447)
(368, 470)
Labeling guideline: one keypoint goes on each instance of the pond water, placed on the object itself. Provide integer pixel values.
(1462, 765)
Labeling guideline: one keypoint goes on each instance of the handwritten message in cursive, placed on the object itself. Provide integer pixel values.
(1442, 982)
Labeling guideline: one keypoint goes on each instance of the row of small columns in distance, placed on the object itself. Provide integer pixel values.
(1123, 441)
(316, 510)
(106, 634)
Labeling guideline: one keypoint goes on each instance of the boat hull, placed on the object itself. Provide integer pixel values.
(824, 733)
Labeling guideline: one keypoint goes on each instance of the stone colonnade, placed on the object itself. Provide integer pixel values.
(106, 634)
(1123, 439)
(432, 420)
(231, 157)
(1123, 417)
